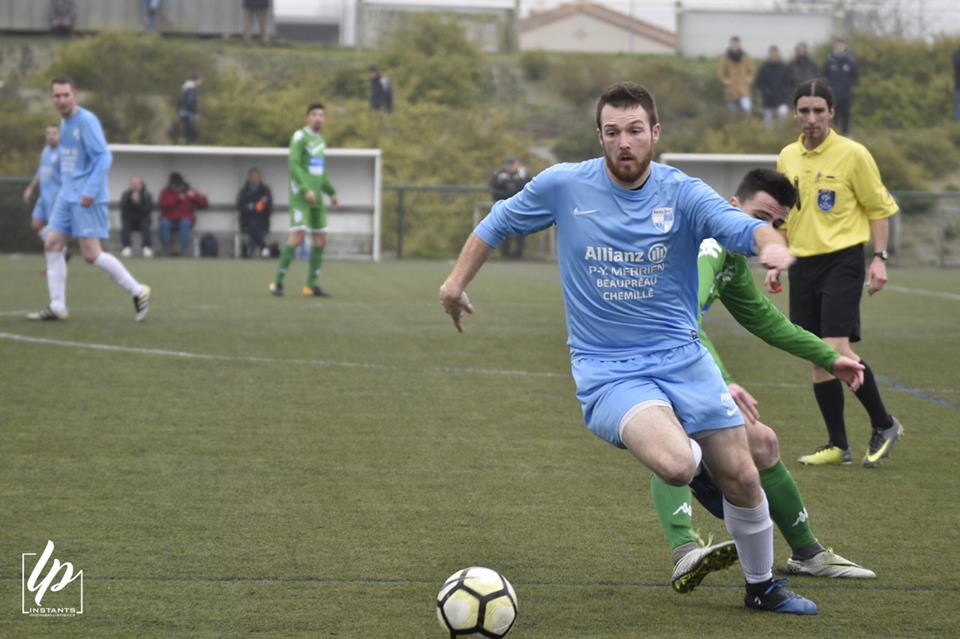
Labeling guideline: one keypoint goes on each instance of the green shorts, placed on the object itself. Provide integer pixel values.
(307, 217)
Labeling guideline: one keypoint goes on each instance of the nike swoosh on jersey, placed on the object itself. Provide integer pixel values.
(578, 212)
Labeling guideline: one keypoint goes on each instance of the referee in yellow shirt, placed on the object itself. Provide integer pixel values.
(841, 203)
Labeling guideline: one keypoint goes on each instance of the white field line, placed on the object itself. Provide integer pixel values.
(13, 337)
(922, 292)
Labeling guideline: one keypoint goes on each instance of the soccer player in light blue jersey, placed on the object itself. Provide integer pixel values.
(628, 234)
(80, 209)
(46, 180)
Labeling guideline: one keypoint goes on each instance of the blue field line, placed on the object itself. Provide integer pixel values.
(919, 394)
(914, 392)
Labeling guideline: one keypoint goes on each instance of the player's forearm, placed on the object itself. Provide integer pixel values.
(880, 232)
(766, 235)
(474, 253)
(764, 320)
(98, 174)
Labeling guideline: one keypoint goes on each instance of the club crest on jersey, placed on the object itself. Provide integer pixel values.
(826, 199)
(663, 219)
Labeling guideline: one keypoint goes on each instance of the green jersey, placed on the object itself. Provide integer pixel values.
(307, 166)
(726, 276)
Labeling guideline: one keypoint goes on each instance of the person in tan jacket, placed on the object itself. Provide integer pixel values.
(736, 73)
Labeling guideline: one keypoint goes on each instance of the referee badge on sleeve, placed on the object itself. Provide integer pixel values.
(826, 199)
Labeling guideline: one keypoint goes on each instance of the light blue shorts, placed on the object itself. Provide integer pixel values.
(685, 379)
(73, 220)
(41, 210)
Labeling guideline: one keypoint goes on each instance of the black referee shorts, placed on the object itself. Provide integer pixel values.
(825, 292)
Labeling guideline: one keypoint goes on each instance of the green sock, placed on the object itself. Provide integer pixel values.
(675, 511)
(786, 506)
(286, 256)
(316, 261)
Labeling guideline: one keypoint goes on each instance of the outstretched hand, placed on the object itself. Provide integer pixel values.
(745, 402)
(455, 303)
(776, 256)
(876, 276)
(848, 371)
(771, 281)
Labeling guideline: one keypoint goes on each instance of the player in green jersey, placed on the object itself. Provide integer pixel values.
(765, 195)
(308, 183)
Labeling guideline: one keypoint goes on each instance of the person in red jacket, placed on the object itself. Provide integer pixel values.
(178, 203)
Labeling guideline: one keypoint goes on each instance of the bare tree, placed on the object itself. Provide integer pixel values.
(907, 18)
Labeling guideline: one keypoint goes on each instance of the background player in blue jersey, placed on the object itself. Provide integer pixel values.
(46, 180)
(628, 233)
(80, 210)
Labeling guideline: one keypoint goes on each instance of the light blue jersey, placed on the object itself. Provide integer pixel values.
(627, 257)
(48, 177)
(84, 158)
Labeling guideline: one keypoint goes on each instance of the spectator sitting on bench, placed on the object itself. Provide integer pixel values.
(255, 204)
(178, 203)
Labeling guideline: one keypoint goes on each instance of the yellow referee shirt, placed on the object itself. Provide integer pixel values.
(838, 192)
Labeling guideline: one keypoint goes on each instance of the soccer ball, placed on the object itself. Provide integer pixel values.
(477, 602)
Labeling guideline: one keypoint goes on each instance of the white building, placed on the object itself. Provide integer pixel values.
(594, 28)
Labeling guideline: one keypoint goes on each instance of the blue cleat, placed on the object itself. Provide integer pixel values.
(778, 598)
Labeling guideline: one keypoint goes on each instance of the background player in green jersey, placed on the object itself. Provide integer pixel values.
(766, 195)
(308, 183)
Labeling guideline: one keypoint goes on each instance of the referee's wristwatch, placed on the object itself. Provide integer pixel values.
(883, 255)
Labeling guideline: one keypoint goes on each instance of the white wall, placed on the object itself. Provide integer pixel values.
(707, 33)
(721, 171)
(587, 33)
(219, 172)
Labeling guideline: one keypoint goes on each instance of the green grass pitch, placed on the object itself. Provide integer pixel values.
(242, 465)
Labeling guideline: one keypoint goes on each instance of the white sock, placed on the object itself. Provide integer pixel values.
(57, 280)
(118, 273)
(752, 532)
(697, 454)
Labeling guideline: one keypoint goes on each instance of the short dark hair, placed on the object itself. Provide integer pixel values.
(816, 88)
(315, 105)
(62, 79)
(769, 181)
(623, 95)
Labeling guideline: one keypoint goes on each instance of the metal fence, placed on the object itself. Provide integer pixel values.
(432, 221)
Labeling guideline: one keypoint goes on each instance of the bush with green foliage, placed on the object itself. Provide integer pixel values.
(459, 112)
(534, 63)
(430, 59)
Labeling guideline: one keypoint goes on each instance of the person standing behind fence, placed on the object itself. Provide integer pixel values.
(178, 204)
(841, 72)
(151, 11)
(80, 210)
(136, 205)
(258, 10)
(47, 180)
(802, 67)
(188, 108)
(506, 183)
(736, 74)
(841, 203)
(255, 204)
(63, 16)
(381, 91)
(773, 82)
(308, 183)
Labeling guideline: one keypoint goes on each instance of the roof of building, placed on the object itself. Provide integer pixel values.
(539, 19)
